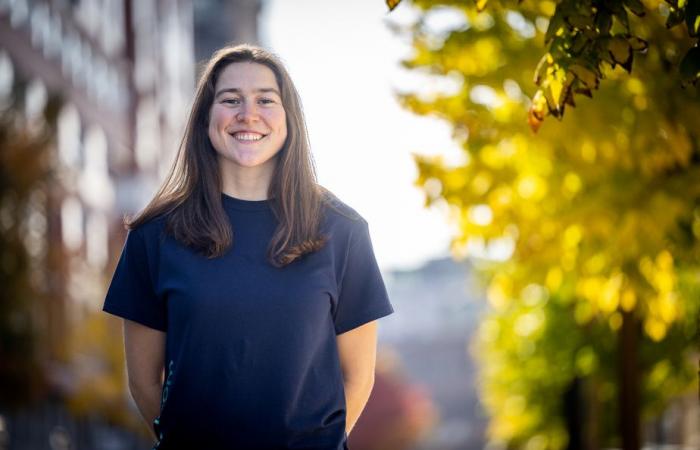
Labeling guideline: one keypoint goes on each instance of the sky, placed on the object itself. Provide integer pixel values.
(344, 61)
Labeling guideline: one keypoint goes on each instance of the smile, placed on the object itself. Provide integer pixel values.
(248, 137)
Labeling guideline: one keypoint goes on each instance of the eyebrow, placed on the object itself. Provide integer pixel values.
(238, 91)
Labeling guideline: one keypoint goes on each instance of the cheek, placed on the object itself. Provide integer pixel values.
(281, 121)
(216, 117)
(217, 120)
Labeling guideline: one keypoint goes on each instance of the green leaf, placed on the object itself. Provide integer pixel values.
(579, 43)
(580, 21)
(636, 7)
(603, 21)
(621, 15)
(584, 91)
(555, 23)
(638, 44)
(585, 75)
(689, 67)
(692, 17)
(675, 17)
(621, 52)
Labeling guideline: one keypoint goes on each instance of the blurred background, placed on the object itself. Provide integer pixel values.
(535, 276)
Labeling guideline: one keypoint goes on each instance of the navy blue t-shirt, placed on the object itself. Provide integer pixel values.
(251, 359)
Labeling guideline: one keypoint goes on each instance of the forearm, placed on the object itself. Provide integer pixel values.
(356, 396)
(147, 398)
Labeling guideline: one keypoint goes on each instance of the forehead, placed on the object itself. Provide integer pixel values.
(246, 76)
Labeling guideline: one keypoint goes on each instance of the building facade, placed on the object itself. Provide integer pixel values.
(122, 74)
(111, 81)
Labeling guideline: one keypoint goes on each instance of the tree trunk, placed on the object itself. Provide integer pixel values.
(574, 414)
(592, 440)
(629, 413)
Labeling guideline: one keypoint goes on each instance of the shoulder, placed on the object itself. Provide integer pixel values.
(342, 220)
(149, 231)
(338, 212)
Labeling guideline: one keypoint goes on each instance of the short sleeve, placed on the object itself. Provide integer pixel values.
(362, 294)
(131, 294)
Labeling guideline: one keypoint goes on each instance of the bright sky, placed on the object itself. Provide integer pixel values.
(344, 61)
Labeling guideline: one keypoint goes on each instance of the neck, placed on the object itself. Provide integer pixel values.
(246, 183)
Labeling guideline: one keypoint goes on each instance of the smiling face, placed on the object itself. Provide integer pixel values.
(247, 122)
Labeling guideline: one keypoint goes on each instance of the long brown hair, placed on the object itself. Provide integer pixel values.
(190, 196)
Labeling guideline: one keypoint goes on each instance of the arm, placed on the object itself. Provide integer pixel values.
(358, 350)
(145, 349)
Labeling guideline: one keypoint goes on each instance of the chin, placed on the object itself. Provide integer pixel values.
(247, 161)
(251, 163)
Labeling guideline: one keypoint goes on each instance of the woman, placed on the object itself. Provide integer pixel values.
(250, 293)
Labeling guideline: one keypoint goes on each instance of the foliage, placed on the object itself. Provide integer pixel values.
(23, 170)
(585, 39)
(531, 347)
(34, 338)
(601, 211)
(99, 367)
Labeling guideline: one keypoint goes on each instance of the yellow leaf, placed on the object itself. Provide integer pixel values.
(547, 8)
(572, 235)
(663, 281)
(392, 4)
(529, 323)
(481, 182)
(664, 260)
(554, 278)
(572, 183)
(556, 88)
(556, 85)
(531, 187)
(609, 297)
(628, 300)
(655, 328)
(588, 151)
(538, 110)
(499, 291)
(454, 180)
(668, 307)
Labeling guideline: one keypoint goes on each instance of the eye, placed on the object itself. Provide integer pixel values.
(231, 101)
(266, 100)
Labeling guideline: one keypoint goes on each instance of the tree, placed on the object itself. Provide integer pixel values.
(602, 209)
(24, 168)
(584, 36)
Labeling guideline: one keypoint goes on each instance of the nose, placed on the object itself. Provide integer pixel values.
(247, 112)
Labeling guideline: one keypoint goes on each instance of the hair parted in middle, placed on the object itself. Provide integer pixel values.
(190, 196)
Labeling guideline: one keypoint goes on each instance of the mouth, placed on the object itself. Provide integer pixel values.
(247, 137)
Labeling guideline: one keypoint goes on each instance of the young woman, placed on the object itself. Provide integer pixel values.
(249, 293)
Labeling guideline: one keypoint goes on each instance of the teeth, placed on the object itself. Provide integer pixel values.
(248, 136)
